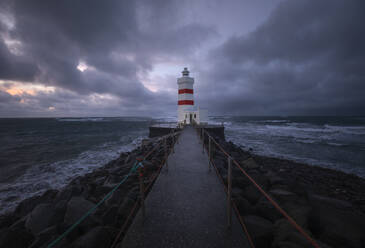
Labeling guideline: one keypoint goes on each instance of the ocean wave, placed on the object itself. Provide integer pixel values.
(270, 121)
(82, 119)
(355, 130)
(40, 178)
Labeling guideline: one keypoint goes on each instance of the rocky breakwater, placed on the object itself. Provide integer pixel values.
(39, 220)
(329, 205)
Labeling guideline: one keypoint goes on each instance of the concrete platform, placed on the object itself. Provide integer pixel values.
(186, 206)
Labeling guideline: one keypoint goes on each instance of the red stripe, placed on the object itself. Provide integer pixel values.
(189, 91)
(185, 102)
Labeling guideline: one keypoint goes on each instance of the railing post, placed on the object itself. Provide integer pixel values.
(166, 154)
(209, 152)
(173, 143)
(141, 190)
(203, 140)
(229, 193)
(213, 150)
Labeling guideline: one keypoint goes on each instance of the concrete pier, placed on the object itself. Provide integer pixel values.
(163, 129)
(187, 206)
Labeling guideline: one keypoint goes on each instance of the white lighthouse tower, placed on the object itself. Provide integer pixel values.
(187, 113)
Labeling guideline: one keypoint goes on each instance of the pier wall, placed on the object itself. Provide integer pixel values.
(214, 130)
(156, 131)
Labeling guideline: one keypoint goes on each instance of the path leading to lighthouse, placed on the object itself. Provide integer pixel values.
(186, 206)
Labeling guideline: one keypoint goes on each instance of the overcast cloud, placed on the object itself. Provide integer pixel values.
(114, 58)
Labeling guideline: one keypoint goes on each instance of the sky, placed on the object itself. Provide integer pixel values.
(122, 58)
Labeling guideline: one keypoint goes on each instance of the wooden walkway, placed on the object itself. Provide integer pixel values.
(186, 206)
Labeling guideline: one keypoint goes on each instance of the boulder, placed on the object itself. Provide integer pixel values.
(260, 179)
(6, 220)
(336, 222)
(126, 206)
(15, 238)
(286, 244)
(95, 238)
(244, 206)
(45, 237)
(69, 192)
(284, 231)
(29, 204)
(274, 179)
(252, 194)
(40, 218)
(116, 198)
(299, 212)
(110, 216)
(283, 195)
(265, 209)
(249, 164)
(76, 208)
(240, 181)
(260, 230)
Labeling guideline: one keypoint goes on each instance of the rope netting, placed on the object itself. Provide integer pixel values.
(138, 165)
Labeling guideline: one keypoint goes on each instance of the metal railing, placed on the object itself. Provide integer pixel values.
(212, 145)
(143, 190)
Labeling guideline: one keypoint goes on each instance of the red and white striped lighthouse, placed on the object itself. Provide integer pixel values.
(185, 97)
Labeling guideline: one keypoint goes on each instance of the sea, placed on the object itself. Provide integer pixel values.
(43, 153)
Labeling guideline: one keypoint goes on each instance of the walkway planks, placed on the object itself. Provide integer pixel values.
(186, 206)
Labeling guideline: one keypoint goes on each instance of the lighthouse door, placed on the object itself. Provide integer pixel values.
(191, 118)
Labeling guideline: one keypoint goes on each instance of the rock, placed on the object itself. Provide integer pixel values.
(112, 181)
(283, 195)
(76, 208)
(15, 238)
(237, 192)
(265, 209)
(252, 194)
(260, 179)
(45, 237)
(336, 222)
(298, 238)
(6, 220)
(240, 182)
(260, 230)
(110, 216)
(116, 198)
(299, 212)
(29, 204)
(250, 164)
(126, 206)
(285, 231)
(40, 218)
(244, 206)
(96, 238)
(319, 200)
(19, 224)
(286, 244)
(68, 192)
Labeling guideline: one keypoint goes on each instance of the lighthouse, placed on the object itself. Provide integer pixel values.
(187, 112)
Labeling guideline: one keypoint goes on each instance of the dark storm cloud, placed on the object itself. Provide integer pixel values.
(307, 58)
(116, 39)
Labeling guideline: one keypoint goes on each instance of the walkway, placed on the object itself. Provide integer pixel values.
(186, 206)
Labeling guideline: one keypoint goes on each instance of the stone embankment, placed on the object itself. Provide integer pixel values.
(38, 221)
(329, 205)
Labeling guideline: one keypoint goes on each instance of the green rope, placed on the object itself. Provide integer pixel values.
(133, 169)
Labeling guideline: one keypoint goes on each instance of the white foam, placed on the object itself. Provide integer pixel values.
(38, 179)
(81, 119)
(354, 130)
